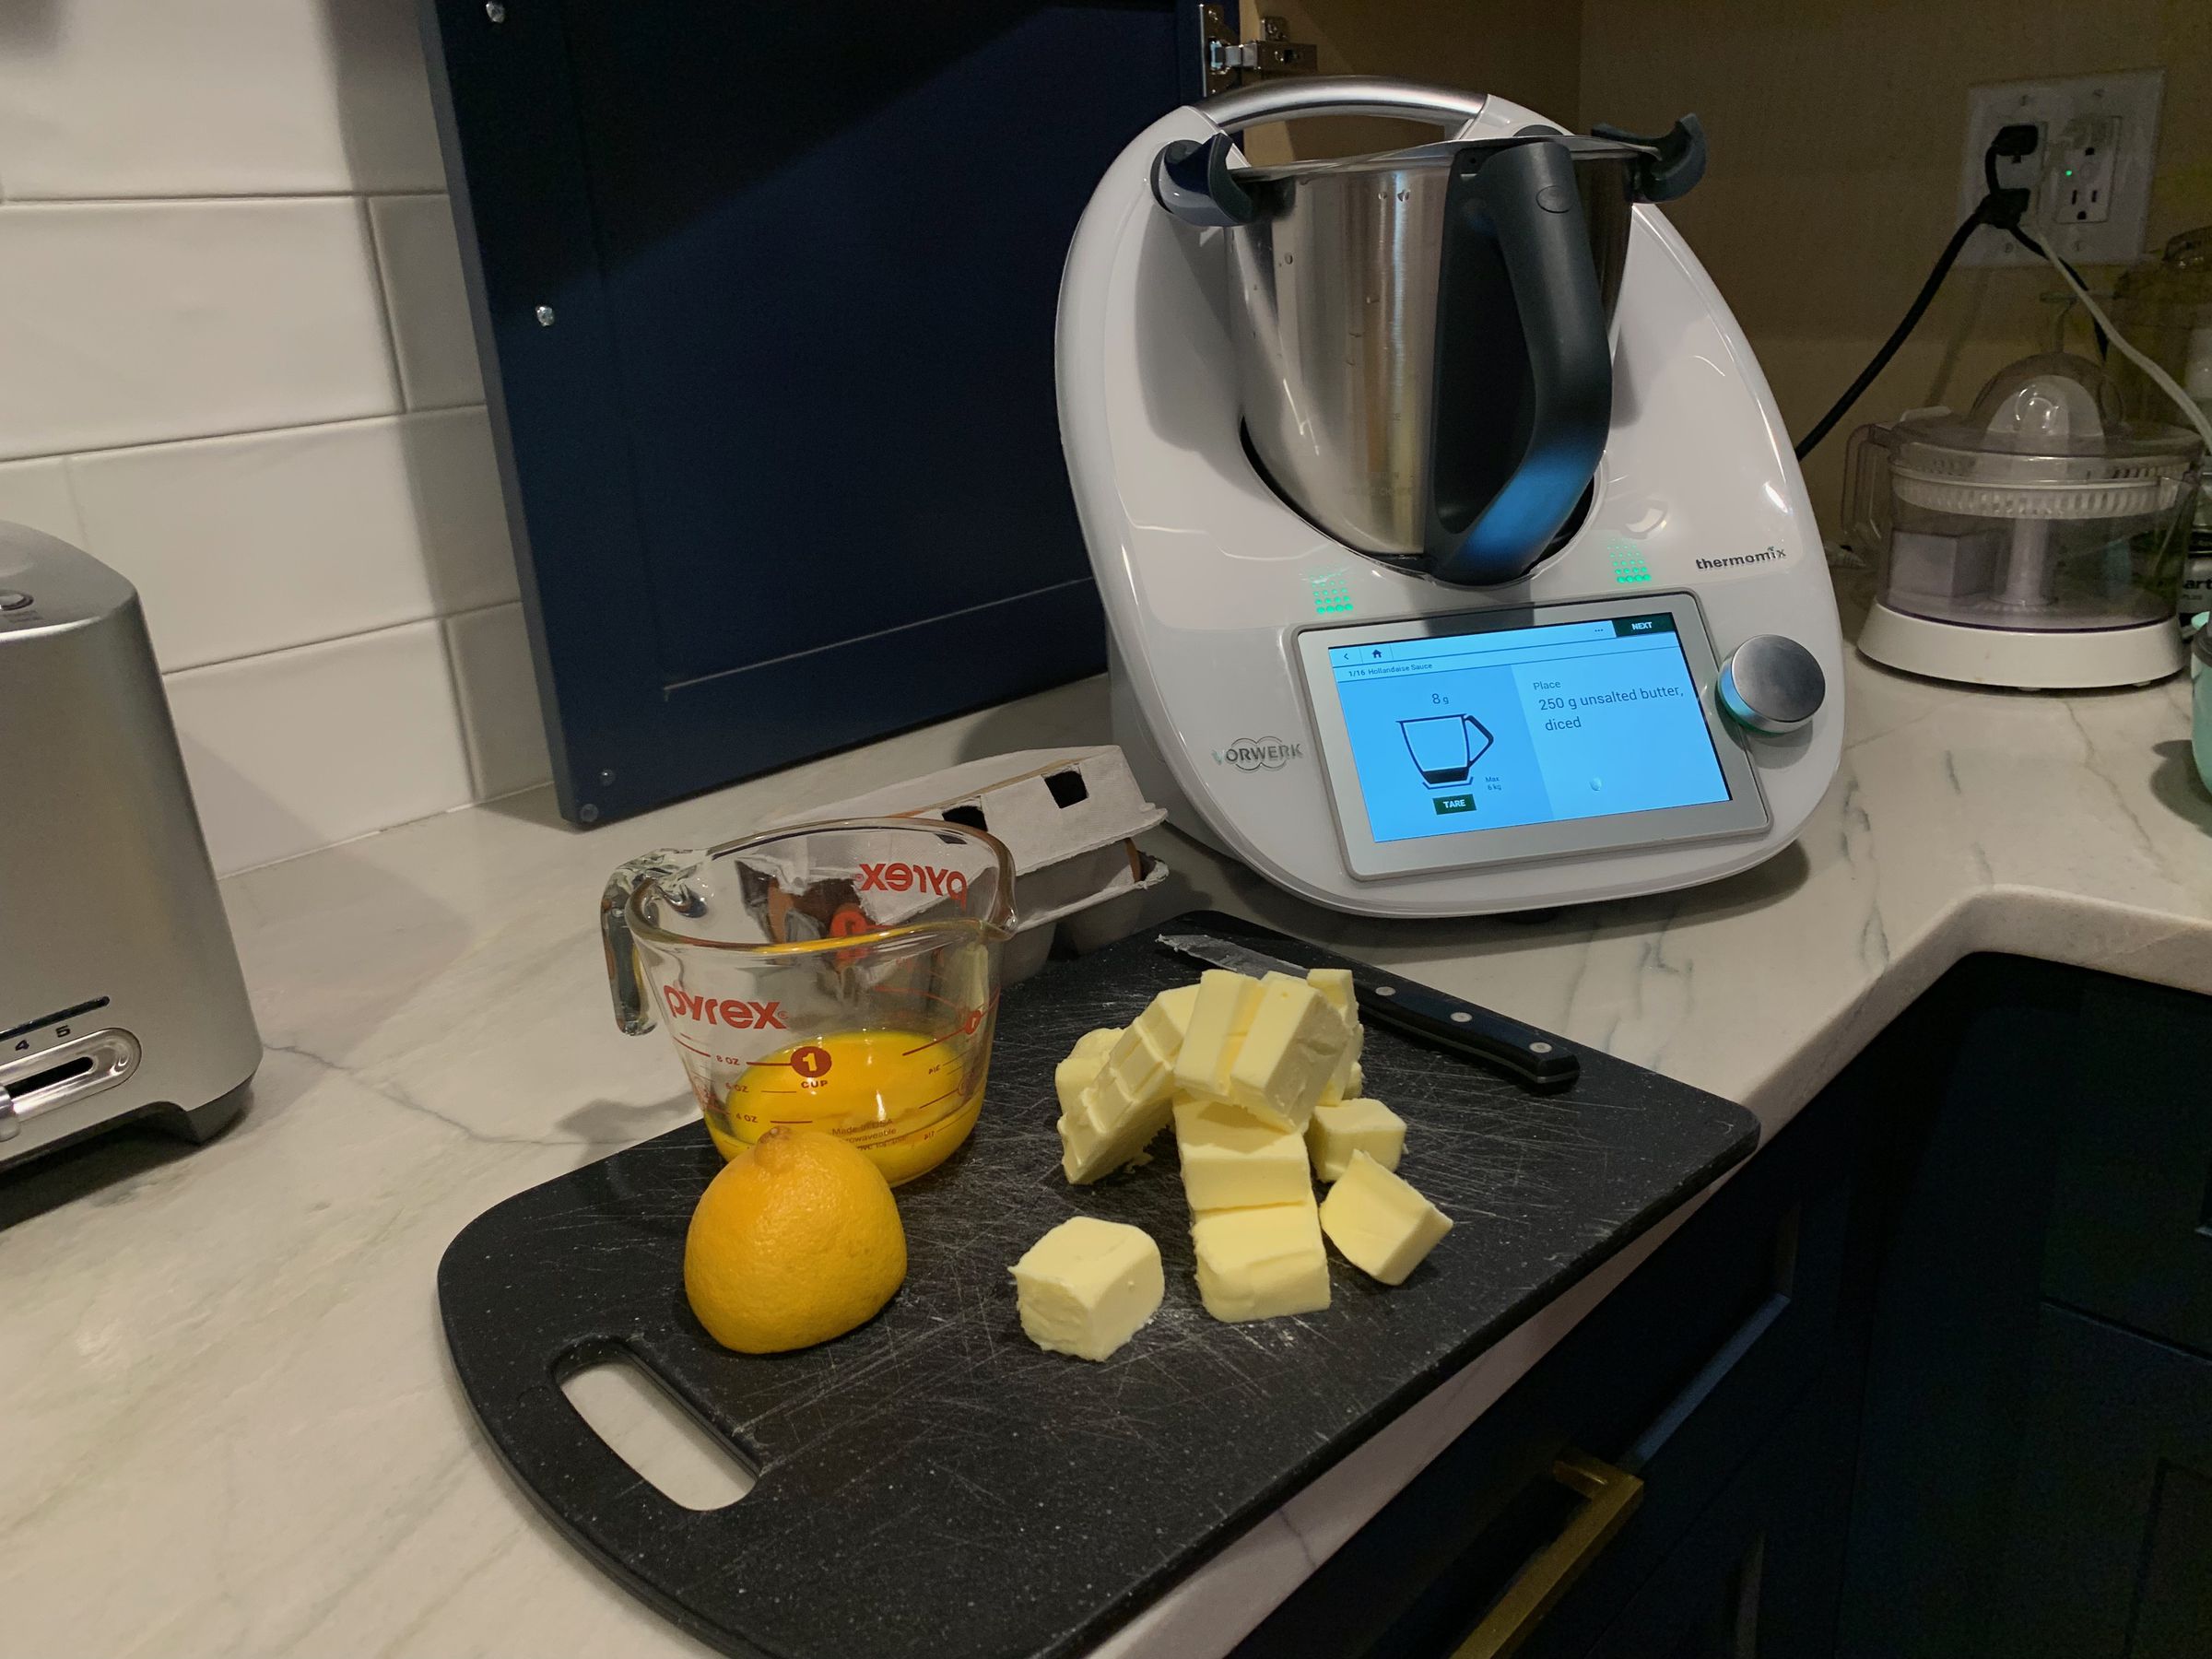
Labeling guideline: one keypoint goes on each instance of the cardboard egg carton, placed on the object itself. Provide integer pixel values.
(1070, 817)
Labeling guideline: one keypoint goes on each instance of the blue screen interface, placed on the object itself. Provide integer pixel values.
(1525, 725)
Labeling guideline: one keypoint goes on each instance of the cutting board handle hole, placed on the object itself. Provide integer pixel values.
(653, 1431)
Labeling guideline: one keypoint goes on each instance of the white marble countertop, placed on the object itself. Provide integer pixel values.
(231, 1428)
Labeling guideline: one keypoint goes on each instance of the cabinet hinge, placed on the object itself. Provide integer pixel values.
(1233, 63)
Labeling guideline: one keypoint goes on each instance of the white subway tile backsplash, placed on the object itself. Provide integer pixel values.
(463, 516)
(296, 750)
(499, 701)
(274, 539)
(37, 493)
(421, 261)
(236, 363)
(103, 98)
(136, 322)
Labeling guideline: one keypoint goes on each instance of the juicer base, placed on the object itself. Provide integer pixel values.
(2031, 662)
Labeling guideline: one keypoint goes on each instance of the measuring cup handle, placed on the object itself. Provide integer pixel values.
(625, 983)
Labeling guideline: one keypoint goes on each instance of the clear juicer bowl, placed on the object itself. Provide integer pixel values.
(840, 976)
(2041, 510)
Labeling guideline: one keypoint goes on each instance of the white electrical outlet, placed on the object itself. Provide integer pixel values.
(2088, 176)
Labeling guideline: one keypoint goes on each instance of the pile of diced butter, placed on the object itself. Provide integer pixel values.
(1261, 1079)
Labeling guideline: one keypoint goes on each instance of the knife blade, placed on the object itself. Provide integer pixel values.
(1541, 1062)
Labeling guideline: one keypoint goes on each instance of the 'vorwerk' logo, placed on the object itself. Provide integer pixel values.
(1253, 754)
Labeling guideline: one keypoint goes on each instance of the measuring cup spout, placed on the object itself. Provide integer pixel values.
(624, 979)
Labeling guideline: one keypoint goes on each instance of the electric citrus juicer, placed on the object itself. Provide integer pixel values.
(1460, 434)
(2035, 541)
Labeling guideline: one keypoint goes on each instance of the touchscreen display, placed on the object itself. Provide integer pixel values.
(1525, 725)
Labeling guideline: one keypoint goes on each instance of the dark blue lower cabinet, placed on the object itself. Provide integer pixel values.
(2026, 1471)
(2112, 1517)
(1760, 1571)
(1680, 1382)
(1854, 1415)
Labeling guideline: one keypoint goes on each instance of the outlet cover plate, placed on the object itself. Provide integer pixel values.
(2133, 95)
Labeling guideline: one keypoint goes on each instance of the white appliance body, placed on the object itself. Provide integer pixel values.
(1209, 580)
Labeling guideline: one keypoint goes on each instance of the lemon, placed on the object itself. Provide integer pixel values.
(797, 1239)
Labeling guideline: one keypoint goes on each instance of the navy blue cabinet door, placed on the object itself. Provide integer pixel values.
(2112, 1525)
(765, 297)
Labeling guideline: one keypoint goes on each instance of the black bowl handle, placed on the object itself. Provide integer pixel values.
(1524, 371)
(1192, 180)
(1677, 164)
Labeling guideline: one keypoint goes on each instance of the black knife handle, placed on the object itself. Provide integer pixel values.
(1537, 1059)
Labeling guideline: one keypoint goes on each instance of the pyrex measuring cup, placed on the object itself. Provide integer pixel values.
(842, 975)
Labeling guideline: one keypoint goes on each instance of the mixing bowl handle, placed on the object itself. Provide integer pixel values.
(1503, 483)
(1192, 180)
(1342, 95)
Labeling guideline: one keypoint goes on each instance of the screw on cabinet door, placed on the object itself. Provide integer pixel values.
(545, 316)
(588, 813)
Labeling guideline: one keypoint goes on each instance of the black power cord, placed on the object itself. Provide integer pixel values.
(2002, 207)
(1989, 178)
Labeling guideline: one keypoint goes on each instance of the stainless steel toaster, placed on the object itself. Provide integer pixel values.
(120, 990)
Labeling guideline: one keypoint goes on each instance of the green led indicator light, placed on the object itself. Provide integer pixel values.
(1629, 566)
(1332, 593)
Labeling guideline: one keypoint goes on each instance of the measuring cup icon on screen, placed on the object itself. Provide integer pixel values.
(1445, 747)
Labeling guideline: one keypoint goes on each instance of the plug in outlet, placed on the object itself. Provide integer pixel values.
(2078, 186)
(2088, 177)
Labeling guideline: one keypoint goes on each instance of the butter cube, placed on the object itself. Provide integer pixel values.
(1348, 1088)
(1088, 1151)
(1261, 1263)
(1137, 1074)
(1382, 1225)
(1087, 1286)
(1288, 1055)
(1343, 1127)
(1167, 1018)
(1076, 1074)
(1336, 985)
(1218, 1019)
(1096, 1045)
(1231, 1158)
(1114, 1094)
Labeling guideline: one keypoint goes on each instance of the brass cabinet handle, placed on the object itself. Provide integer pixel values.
(1609, 1496)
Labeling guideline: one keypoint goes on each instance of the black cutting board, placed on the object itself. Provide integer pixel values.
(934, 1484)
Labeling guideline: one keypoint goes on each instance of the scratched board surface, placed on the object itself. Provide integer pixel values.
(932, 1483)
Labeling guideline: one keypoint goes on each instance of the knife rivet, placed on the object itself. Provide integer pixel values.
(1461, 1017)
(1387, 990)
(1540, 1048)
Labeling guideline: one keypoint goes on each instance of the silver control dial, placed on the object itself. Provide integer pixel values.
(1771, 684)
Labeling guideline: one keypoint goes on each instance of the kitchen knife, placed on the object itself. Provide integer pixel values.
(1414, 1011)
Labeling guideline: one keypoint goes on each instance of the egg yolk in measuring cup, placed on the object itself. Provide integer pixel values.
(897, 1096)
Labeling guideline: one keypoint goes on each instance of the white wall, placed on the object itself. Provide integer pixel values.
(235, 364)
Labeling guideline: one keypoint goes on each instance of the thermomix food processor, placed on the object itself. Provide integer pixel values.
(1453, 555)
(2036, 541)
